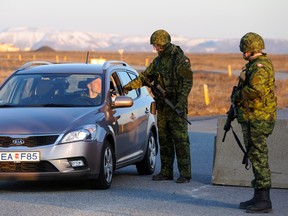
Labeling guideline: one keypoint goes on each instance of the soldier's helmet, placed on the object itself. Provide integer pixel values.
(251, 42)
(160, 37)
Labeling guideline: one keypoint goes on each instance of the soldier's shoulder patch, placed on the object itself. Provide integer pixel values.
(186, 61)
(260, 65)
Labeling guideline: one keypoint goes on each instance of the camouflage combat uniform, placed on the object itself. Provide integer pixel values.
(255, 104)
(172, 70)
(256, 109)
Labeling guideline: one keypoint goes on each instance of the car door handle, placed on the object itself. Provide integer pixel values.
(146, 111)
(132, 116)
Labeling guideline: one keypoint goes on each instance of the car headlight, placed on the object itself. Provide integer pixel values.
(85, 133)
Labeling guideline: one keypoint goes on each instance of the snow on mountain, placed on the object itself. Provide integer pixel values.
(22, 37)
(27, 38)
(73, 41)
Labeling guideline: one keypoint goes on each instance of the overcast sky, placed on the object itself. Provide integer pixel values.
(189, 18)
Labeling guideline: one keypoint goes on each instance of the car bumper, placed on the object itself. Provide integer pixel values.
(77, 174)
(55, 163)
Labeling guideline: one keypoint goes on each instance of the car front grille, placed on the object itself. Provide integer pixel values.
(42, 166)
(33, 141)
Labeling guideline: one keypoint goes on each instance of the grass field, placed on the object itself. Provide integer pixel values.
(205, 67)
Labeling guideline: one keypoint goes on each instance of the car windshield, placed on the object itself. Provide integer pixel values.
(52, 90)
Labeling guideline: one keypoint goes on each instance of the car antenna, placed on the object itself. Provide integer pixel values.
(87, 57)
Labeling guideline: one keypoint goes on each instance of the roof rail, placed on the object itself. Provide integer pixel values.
(110, 63)
(33, 63)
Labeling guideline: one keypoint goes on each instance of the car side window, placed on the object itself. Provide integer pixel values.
(113, 90)
(126, 77)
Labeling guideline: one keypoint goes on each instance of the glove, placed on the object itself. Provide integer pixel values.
(126, 89)
(237, 98)
(180, 108)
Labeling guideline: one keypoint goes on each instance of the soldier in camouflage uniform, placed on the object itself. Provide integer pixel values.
(171, 69)
(256, 109)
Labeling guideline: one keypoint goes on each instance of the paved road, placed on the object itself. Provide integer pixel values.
(134, 195)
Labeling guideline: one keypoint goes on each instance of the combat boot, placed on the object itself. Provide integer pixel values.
(261, 202)
(183, 179)
(161, 177)
(244, 205)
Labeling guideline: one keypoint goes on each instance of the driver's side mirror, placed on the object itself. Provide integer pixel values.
(122, 101)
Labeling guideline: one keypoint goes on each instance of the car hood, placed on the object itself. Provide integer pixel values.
(44, 120)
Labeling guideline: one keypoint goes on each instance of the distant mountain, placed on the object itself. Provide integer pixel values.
(27, 38)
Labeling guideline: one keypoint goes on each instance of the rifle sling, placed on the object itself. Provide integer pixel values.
(245, 157)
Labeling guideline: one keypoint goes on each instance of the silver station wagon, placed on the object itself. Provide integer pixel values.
(73, 121)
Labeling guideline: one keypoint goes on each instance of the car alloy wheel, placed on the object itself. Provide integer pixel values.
(108, 164)
(105, 177)
(148, 164)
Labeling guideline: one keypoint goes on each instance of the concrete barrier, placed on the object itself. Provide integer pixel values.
(227, 165)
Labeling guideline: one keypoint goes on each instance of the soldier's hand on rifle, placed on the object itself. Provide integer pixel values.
(180, 108)
(233, 94)
(126, 89)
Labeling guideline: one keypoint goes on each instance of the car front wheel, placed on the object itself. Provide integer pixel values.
(104, 180)
(148, 164)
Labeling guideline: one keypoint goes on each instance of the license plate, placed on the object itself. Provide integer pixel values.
(19, 156)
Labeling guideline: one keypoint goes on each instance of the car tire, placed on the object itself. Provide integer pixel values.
(104, 180)
(148, 164)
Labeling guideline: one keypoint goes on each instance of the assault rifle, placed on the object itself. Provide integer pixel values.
(159, 92)
(231, 115)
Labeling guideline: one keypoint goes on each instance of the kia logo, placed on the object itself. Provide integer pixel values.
(18, 142)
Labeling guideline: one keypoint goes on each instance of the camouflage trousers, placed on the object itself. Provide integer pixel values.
(255, 136)
(173, 137)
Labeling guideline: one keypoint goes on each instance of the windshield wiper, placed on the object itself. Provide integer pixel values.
(8, 105)
(57, 105)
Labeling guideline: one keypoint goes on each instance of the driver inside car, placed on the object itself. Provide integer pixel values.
(92, 93)
(94, 88)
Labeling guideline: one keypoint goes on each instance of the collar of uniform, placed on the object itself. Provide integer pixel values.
(167, 50)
